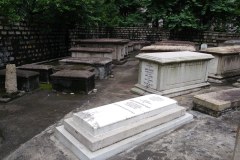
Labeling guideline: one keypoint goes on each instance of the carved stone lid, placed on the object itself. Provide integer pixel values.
(174, 57)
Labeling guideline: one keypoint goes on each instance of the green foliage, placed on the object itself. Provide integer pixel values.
(176, 14)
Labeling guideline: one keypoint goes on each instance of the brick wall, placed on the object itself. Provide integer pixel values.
(132, 33)
(21, 43)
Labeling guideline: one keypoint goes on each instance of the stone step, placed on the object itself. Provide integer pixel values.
(103, 119)
(94, 143)
(83, 153)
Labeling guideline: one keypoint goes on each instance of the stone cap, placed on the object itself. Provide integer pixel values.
(223, 50)
(73, 67)
(91, 50)
(73, 74)
(103, 40)
(87, 60)
(219, 100)
(36, 66)
(174, 57)
(175, 43)
(21, 73)
(167, 48)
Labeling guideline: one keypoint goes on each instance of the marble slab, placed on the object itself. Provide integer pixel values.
(94, 143)
(174, 57)
(84, 153)
(103, 119)
(172, 73)
(215, 103)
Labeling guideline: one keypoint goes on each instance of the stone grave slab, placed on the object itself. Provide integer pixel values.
(169, 46)
(232, 42)
(44, 71)
(102, 132)
(91, 52)
(172, 73)
(26, 80)
(225, 65)
(216, 103)
(73, 81)
(73, 67)
(120, 46)
(102, 65)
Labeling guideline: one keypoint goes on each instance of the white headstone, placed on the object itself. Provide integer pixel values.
(11, 79)
(203, 46)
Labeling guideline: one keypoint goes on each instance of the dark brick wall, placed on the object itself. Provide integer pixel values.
(22, 44)
(132, 33)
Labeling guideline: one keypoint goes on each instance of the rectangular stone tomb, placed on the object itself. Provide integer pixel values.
(91, 52)
(167, 48)
(172, 73)
(73, 81)
(225, 65)
(102, 65)
(26, 80)
(44, 71)
(120, 46)
(216, 103)
(102, 132)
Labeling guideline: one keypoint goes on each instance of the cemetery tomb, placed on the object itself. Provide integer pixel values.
(172, 73)
(216, 103)
(166, 48)
(102, 65)
(26, 80)
(233, 42)
(102, 132)
(44, 71)
(120, 46)
(237, 84)
(169, 46)
(73, 81)
(225, 65)
(11, 79)
(91, 52)
(73, 67)
(136, 45)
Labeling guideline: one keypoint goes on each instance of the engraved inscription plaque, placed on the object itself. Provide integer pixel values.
(149, 75)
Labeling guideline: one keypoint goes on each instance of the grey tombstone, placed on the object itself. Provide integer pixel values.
(11, 79)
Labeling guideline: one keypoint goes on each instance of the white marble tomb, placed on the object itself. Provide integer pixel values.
(172, 73)
(102, 132)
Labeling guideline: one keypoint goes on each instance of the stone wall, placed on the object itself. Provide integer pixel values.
(209, 37)
(22, 44)
(132, 33)
(152, 34)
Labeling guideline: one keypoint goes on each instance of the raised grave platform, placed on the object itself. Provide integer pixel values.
(105, 131)
(44, 71)
(120, 46)
(73, 67)
(225, 65)
(26, 80)
(166, 48)
(92, 52)
(216, 103)
(73, 81)
(172, 73)
(102, 65)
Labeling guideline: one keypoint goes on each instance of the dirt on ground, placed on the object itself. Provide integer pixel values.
(27, 124)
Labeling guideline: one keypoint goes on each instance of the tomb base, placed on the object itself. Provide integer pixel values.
(141, 90)
(102, 132)
(84, 153)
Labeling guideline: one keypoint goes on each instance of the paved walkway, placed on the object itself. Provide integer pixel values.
(205, 138)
